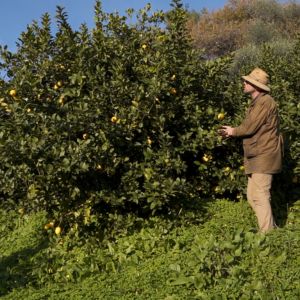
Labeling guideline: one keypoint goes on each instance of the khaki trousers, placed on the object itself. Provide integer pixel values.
(259, 198)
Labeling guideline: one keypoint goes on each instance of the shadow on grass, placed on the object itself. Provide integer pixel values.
(284, 195)
(285, 191)
(282, 204)
(15, 270)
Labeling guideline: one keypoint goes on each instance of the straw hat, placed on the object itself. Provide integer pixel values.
(259, 78)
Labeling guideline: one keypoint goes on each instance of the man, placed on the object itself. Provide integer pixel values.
(262, 144)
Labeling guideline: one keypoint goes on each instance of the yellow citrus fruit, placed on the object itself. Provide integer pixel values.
(206, 158)
(221, 116)
(149, 141)
(144, 46)
(173, 91)
(47, 226)
(114, 119)
(59, 83)
(57, 230)
(28, 110)
(173, 77)
(21, 211)
(161, 37)
(217, 189)
(242, 168)
(56, 87)
(61, 99)
(13, 93)
(227, 169)
(84, 136)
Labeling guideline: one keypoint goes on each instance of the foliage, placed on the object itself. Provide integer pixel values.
(242, 23)
(115, 120)
(21, 239)
(254, 54)
(216, 256)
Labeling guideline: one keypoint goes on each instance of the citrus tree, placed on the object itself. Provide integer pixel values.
(120, 119)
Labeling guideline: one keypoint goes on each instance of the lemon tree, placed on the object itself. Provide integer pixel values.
(119, 119)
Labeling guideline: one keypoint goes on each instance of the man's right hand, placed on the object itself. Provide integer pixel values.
(226, 131)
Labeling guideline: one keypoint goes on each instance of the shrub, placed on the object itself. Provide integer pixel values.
(121, 119)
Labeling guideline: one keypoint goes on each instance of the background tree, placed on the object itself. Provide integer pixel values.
(241, 23)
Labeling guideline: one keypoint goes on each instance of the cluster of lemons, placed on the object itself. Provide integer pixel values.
(208, 157)
(13, 94)
(50, 225)
(4, 105)
(57, 85)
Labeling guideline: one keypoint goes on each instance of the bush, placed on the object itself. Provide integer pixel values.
(241, 22)
(121, 119)
(260, 32)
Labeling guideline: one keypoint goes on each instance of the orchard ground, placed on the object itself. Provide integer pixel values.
(209, 253)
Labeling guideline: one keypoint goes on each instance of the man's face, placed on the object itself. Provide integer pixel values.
(248, 87)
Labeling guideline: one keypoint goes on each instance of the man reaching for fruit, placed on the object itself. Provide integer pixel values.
(262, 144)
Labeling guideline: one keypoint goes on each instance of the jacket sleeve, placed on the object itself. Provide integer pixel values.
(255, 118)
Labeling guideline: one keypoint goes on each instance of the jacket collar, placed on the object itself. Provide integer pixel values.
(256, 98)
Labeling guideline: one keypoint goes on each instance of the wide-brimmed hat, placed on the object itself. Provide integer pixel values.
(259, 78)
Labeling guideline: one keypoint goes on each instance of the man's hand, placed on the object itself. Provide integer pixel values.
(226, 131)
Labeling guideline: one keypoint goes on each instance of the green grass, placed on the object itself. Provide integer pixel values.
(215, 254)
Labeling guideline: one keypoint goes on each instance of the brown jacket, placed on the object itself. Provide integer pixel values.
(262, 141)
